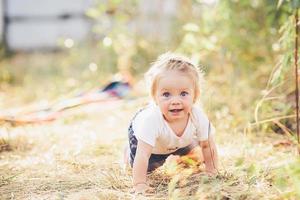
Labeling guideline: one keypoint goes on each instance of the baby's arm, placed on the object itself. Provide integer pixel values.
(210, 155)
(140, 166)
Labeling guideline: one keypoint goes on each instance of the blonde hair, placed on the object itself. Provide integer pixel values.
(172, 61)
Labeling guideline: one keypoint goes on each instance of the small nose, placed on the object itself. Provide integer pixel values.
(175, 100)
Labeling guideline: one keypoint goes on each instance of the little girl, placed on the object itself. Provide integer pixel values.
(172, 124)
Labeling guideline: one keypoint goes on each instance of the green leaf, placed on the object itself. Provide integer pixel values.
(239, 162)
(295, 4)
(279, 3)
(190, 39)
(251, 170)
(93, 13)
(116, 2)
(276, 76)
(191, 27)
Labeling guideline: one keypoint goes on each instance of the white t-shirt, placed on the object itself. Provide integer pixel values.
(150, 126)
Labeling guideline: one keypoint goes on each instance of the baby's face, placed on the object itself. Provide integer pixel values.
(174, 95)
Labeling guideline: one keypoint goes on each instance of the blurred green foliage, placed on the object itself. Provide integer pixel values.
(242, 34)
(278, 98)
(248, 42)
(112, 33)
(242, 39)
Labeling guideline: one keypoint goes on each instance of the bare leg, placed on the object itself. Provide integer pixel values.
(126, 157)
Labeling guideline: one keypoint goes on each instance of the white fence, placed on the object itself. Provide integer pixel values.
(38, 24)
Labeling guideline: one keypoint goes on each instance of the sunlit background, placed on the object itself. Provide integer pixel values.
(71, 78)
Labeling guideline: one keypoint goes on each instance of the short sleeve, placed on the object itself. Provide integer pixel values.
(146, 128)
(204, 127)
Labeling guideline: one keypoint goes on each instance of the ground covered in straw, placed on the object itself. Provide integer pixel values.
(78, 157)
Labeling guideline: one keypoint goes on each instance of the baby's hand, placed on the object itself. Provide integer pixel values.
(142, 188)
(211, 172)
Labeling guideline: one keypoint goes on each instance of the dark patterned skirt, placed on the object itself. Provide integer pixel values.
(155, 160)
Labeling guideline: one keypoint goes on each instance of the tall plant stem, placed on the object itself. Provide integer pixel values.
(296, 77)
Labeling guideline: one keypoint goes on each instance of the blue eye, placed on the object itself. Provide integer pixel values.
(184, 93)
(166, 94)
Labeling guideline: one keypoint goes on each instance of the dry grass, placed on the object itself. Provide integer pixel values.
(79, 158)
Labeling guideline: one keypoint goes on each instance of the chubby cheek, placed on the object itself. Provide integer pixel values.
(188, 106)
(189, 109)
(164, 106)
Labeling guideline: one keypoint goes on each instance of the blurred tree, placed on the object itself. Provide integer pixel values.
(115, 28)
(279, 96)
(242, 32)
